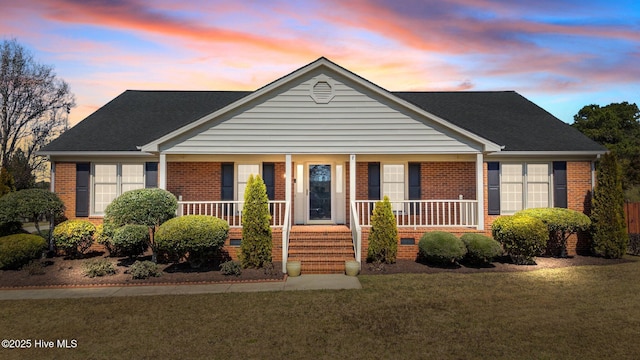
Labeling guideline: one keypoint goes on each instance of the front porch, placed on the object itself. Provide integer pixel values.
(324, 248)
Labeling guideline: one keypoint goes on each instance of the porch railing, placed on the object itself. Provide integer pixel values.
(230, 210)
(418, 213)
(356, 233)
(286, 229)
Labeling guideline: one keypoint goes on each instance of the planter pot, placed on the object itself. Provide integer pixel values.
(351, 267)
(293, 268)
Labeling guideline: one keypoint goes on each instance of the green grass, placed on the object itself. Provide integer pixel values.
(590, 312)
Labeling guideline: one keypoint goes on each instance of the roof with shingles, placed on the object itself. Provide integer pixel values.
(136, 118)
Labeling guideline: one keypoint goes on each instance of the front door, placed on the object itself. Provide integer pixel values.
(320, 194)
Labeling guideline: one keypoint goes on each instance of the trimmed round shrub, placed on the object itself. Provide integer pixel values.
(481, 249)
(194, 237)
(103, 235)
(74, 236)
(130, 240)
(441, 247)
(17, 250)
(522, 237)
(561, 223)
(144, 270)
(98, 267)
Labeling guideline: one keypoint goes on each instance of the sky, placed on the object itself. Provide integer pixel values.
(560, 54)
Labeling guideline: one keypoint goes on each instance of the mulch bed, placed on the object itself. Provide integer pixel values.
(503, 264)
(61, 272)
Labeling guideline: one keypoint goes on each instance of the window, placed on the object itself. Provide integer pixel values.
(244, 171)
(523, 186)
(393, 183)
(111, 180)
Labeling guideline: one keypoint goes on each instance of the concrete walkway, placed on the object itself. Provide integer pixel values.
(304, 282)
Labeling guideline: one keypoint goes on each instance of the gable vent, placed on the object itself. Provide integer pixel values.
(322, 92)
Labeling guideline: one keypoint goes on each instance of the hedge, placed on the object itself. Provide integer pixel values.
(523, 237)
(17, 250)
(74, 236)
(561, 223)
(194, 237)
(441, 247)
(481, 249)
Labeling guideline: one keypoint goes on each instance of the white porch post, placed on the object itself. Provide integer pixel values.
(163, 171)
(352, 178)
(480, 189)
(287, 196)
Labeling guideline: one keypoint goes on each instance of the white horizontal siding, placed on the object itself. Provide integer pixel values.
(291, 122)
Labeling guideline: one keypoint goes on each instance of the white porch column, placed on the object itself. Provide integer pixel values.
(287, 196)
(163, 171)
(480, 189)
(288, 176)
(352, 178)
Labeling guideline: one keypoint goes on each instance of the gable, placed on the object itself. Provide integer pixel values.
(321, 113)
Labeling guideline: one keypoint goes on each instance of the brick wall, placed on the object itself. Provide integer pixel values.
(65, 187)
(448, 180)
(195, 181)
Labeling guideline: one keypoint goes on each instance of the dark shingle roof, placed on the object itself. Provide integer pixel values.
(506, 118)
(136, 118)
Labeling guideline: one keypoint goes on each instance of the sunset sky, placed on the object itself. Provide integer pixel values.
(562, 55)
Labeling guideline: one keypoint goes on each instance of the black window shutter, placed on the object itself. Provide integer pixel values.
(151, 175)
(414, 181)
(227, 182)
(374, 181)
(82, 189)
(493, 183)
(269, 177)
(560, 184)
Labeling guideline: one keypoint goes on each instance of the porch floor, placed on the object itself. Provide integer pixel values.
(321, 249)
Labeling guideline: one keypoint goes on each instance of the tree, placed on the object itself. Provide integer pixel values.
(256, 244)
(21, 170)
(34, 103)
(7, 184)
(609, 232)
(149, 207)
(617, 127)
(32, 205)
(383, 238)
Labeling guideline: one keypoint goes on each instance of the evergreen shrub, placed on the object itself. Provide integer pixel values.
(522, 237)
(18, 249)
(74, 236)
(194, 237)
(257, 243)
(481, 249)
(383, 238)
(441, 247)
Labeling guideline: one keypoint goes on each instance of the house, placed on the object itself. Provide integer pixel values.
(328, 144)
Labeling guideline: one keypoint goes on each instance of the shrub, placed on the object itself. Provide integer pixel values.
(34, 267)
(522, 237)
(441, 247)
(103, 235)
(144, 270)
(11, 227)
(17, 250)
(256, 244)
(149, 207)
(74, 236)
(383, 238)
(561, 223)
(194, 237)
(98, 267)
(480, 249)
(609, 232)
(231, 268)
(31, 204)
(634, 244)
(129, 240)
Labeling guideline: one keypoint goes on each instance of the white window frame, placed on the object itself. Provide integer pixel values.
(237, 182)
(526, 202)
(119, 183)
(397, 208)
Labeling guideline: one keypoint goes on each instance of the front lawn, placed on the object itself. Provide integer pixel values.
(585, 312)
